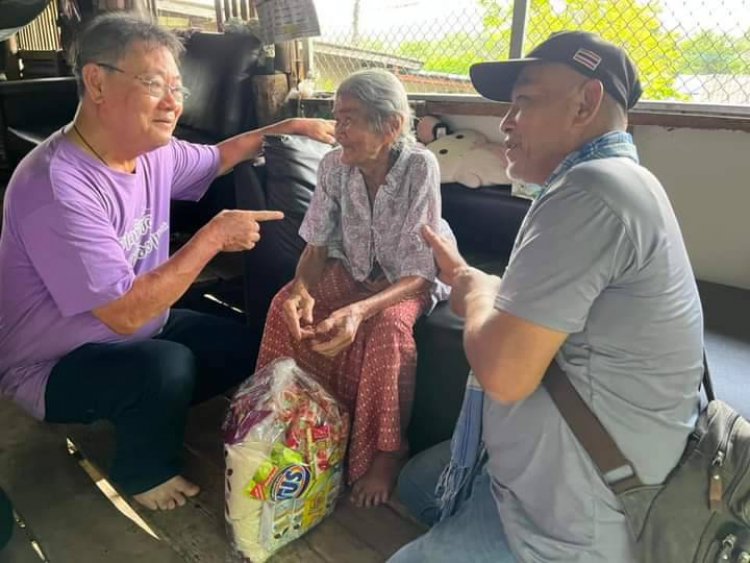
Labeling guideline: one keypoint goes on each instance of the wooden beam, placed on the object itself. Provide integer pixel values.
(637, 117)
(219, 16)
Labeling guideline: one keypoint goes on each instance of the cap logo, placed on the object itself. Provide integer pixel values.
(587, 58)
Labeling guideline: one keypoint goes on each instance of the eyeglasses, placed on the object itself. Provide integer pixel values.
(157, 87)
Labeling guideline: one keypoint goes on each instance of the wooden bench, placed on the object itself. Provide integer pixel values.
(72, 521)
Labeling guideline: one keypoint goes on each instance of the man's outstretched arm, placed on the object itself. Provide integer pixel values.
(508, 355)
(247, 145)
(154, 292)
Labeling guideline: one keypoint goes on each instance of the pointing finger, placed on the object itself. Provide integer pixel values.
(438, 244)
(260, 216)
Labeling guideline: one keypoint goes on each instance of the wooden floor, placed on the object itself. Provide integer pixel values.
(72, 521)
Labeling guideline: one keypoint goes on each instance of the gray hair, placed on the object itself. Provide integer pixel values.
(107, 39)
(383, 97)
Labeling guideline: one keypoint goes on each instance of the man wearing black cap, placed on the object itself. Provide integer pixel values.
(599, 280)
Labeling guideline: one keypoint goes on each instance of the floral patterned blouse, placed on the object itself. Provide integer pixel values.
(383, 235)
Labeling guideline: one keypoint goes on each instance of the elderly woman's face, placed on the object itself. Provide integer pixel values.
(359, 143)
(142, 96)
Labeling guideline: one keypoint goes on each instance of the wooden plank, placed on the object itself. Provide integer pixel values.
(379, 527)
(193, 531)
(371, 534)
(197, 531)
(334, 543)
(19, 549)
(635, 117)
(62, 508)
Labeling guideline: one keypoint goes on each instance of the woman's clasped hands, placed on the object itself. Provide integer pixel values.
(330, 336)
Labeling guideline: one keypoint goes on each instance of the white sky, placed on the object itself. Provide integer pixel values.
(729, 16)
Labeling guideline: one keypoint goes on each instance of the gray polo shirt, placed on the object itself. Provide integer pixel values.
(601, 257)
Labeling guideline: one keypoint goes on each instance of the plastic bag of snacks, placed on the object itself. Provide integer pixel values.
(284, 443)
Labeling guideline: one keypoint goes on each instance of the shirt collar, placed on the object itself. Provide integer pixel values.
(394, 177)
(610, 145)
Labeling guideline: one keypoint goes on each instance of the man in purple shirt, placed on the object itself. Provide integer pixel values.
(86, 281)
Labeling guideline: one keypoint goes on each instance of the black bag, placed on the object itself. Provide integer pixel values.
(701, 513)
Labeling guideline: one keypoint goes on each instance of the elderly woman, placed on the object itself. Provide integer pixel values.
(365, 276)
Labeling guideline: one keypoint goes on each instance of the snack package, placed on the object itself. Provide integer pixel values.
(284, 443)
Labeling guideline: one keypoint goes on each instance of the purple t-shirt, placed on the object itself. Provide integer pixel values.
(75, 236)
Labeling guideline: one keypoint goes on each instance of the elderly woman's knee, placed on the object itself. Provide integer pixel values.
(392, 319)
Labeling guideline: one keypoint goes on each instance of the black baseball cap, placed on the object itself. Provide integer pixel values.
(584, 52)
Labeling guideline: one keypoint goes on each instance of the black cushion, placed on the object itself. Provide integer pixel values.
(484, 220)
(30, 110)
(290, 177)
(218, 70)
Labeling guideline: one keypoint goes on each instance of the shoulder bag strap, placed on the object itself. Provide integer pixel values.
(708, 385)
(617, 471)
(614, 467)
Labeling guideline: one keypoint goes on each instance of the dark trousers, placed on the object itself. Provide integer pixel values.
(145, 388)
(6, 516)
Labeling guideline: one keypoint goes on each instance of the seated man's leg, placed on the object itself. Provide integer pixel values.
(143, 387)
(225, 350)
(6, 515)
(418, 479)
(474, 534)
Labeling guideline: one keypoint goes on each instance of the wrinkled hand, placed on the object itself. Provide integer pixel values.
(337, 332)
(471, 281)
(449, 261)
(298, 312)
(318, 129)
(236, 229)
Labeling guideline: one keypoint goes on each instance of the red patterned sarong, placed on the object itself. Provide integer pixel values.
(374, 376)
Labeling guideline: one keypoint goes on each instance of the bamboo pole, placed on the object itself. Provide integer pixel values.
(219, 17)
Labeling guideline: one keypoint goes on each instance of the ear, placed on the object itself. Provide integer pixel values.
(392, 128)
(93, 79)
(589, 102)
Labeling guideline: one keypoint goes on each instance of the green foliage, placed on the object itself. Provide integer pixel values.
(633, 24)
(455, 53)
(660, 54)
(715, 53)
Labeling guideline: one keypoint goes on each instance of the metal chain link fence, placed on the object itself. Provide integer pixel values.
(686, 50)
(429, 44)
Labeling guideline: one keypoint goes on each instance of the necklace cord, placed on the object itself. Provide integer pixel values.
(88, 145)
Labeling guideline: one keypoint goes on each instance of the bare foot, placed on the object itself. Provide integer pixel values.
(375, 486)
(169, 495)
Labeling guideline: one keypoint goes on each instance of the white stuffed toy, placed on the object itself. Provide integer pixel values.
(466, 157)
